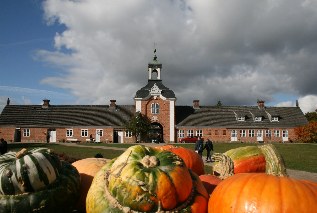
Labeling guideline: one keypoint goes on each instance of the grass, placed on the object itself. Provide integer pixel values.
(296, 156)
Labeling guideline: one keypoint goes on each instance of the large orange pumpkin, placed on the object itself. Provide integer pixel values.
(145, 179)
(190, 157)
(87, 169)
(260, 192)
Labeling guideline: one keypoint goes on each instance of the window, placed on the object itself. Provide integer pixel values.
(243, 133)
(190, 133)
(241, 118)
(155, 108)
(276, 133)
(26, 132)
(268, 133)
(84, 133)
(275, 118)
(258, 119)
(69, 133)
(199, 132)
(285, 133)
(234, 133)
(224, 132)
(181, 133)
(128, 134)
(100, 132)
(216, 132)
(251, 133)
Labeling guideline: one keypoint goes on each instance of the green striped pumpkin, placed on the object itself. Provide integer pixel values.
(37, 181)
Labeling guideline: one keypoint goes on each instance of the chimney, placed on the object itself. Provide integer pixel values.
(297, 104)
(196, 104)
(112, 104)
(260, 104)
(8, 101)
(46, 103)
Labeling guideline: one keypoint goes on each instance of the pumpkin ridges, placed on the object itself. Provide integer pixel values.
(246, 188)
(163, 177)
(251, 164)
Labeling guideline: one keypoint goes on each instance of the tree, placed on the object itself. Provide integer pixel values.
(307, 133)
(311, 116)
(139, 125)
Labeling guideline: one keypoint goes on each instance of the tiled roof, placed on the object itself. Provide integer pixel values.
(186, 116)
(145, 91)
(226, 116)
(66, 115)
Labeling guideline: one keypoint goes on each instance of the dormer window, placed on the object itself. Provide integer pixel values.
(275, 119)
(241, 118)
(258, 119)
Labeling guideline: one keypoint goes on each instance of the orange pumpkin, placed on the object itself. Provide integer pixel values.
(87, 169)
(210, 182)
(260, 192)
(146, 179)
(191, 159)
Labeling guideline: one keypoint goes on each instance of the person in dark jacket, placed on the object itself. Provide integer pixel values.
(199, 146)
(209, 147)
(3, 146)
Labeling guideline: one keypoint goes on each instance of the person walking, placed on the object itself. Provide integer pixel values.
(3, 146)
(199, 146)
(209, 147)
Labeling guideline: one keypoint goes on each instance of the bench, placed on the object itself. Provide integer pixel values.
(72, 140)
(88, 140)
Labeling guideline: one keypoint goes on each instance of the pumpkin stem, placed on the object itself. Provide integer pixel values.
(274, 162)
(149, 161)
(223, 167)
(21, 153)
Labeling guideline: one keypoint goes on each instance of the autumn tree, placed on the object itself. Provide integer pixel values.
(307, 133)
(139, 125)
(311, 116)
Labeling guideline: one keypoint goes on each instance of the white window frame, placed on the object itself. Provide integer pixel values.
(100, 132)
(234, 133)
(241, 118)
(243, 133)
(268, 133)
(199, 132)
(258, 119)
(69, 132)
(277, 133)
(285, 133)
(26, 132)
(84, 133)
(128, 134)
(155, 108)
(181, 133)
(275, 119)
(190, 133)
(251, 133)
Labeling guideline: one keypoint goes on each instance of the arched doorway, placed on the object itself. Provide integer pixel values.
(155, 134)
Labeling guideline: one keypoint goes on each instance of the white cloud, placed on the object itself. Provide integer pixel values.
(236, 51)
(308, 103)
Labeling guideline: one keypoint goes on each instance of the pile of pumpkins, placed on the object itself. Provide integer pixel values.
(153, 179)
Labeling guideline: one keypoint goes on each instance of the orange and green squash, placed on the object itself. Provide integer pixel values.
(146, 179)
(260, 192)
(190, 157)
(37, 181)
(254, 159)
(87, 169)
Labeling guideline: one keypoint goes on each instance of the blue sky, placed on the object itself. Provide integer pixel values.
(23, 32)
(91, 51)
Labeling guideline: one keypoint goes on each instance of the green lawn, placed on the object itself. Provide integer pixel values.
(296, 156)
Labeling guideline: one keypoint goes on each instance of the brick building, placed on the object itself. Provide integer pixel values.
(170, 123)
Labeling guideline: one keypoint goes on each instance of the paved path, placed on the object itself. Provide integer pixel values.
(292, 173)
